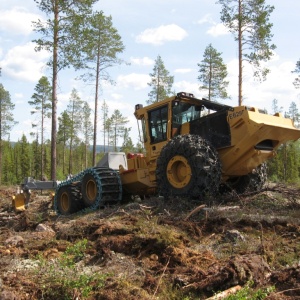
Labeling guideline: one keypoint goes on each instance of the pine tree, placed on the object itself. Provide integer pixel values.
(275, 107)
(293, 113)
(87, 130)
(212, 74)
(127, 145)
(6, 118)
(104, 109)
(108, 130)
(117, 123)
(161, 82)
(297, 71)
(102, 44)
(24, 158)
(64, 136)
(7, 173)
(41, 101)
(74, 110)
(60, 37)
(249, 21)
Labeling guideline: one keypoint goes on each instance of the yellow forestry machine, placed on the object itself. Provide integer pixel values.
(189, 153)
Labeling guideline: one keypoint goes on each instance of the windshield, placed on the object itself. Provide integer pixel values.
(185, 112)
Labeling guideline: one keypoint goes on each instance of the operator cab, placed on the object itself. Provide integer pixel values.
(162, 120)
(183, 112)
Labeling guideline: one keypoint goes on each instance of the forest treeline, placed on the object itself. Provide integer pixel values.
(77, 36)
(23, 159)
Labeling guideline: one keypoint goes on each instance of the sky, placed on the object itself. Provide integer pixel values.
(178, 31)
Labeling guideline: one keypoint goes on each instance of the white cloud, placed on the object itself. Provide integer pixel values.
(261, 94)
(124, 107)
(22, 62)
(217, 30)
(206, 19)
(19, 95)
(162, 34)
(144, 61)
(183, 71)
(116, 96)
(137, 81)
(188, 87)
(17, 21)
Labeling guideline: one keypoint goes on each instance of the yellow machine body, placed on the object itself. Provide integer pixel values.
(244, 138)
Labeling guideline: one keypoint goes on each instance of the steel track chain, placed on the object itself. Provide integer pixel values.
(109, 188)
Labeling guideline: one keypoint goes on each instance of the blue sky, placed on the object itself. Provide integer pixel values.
(178, 31)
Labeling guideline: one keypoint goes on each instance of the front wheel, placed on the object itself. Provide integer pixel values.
(188, 166)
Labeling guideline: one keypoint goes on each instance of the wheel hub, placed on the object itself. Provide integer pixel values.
(65, 201)
(179, 172)
(91, 189)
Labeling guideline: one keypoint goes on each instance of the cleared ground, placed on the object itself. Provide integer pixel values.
(153, 249)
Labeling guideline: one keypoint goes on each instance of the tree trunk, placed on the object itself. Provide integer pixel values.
(96, 106)
(0, 140)
(240, 83)
(42, 143)
(54, 94)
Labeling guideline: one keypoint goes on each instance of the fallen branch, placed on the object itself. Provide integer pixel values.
(225, 293)
(159, 280)
(289, 290)
(194, 211)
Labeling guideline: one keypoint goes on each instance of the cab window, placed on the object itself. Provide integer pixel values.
(158, 121)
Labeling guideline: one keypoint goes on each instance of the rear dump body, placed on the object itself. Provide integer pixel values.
(244, 138)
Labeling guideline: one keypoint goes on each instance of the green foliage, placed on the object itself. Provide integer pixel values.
(161, 82)
(6, 115)
(24, 157)
(104, 109)
(41, 102)
(247, 293)
(60, 37)
(101, 46)
(59, 279)
(116, 127)
(249, 21)
(60, 32)
(74, 253)
(213, 72)
(87, 130)
(285, 166)
(127, 145)
(297, 79)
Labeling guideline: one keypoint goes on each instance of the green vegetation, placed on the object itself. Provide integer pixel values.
(61, 279)
(248, 293)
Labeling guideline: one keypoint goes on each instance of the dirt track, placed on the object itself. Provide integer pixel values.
(152, 249)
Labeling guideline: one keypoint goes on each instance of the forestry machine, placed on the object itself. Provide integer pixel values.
(193, 148)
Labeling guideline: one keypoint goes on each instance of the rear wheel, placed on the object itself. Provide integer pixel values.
(252, 182)
(66, 200)
(188, 166)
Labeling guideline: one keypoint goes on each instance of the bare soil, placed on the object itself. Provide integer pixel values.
(152, 249)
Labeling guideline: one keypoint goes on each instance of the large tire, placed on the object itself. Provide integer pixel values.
(252, 182)
(67, 200)
(188, 166)
(90, 189)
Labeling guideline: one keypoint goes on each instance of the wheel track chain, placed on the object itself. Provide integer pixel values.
(109, 186)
